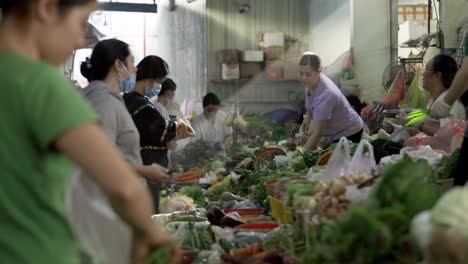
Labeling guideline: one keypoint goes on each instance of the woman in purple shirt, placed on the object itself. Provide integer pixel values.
(329, 113)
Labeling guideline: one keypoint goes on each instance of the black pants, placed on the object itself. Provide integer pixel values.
(356, 138)
(460, 174)
(159, 157)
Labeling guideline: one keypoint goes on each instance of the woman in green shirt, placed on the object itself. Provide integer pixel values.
(46, 127)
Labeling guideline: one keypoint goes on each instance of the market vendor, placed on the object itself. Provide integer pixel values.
(437, 78)
(209, 126)
(157, 134)
(329, 113)
(442, 106)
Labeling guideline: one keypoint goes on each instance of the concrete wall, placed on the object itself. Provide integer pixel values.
(454, 13)
(330, 28)
(370, 40)
(227, 28)
(181, 41)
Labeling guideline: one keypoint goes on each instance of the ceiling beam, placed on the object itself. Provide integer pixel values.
(128, 7)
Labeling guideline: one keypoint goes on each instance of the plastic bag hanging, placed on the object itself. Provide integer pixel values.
(363, 163)
(338, 165)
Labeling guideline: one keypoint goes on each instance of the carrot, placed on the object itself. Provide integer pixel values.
(189, 177)
(248, 251)
(261, 255)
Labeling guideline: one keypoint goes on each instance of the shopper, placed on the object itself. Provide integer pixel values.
(209, 125)
(329, 113)
(165, 96)
(46, 126)
(110, 71)
(157, 134)
(442, 107)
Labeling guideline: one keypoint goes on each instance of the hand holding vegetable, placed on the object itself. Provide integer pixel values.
(155, 173)
(144, 244)
(184, 129)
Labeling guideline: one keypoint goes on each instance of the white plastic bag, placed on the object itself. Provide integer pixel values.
(98, 228)
(363, 163)
(338, 165)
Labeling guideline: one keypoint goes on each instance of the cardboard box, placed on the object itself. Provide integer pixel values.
(230, 71)
(274, 53)
(274, 70)
(271, 39)
(250, 70)
(252, 56)
(295, 47)
(229, 56)
(291, 67)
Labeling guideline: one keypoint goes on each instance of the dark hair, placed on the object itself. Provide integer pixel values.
(105, 53)
(22, 7)
(312, 60)
(152, 67)
(356, 103)
(447, 66)
(210, 99)
(167, 85)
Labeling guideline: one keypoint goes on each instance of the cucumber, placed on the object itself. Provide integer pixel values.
(189, 218)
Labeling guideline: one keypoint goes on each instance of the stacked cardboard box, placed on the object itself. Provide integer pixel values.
(229, 60)
(251, 65)
(272, 44)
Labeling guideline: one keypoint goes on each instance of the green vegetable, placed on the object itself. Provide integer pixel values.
(159, 256)
(298, 164)
(226, 245)
(194, 192)
(446, 166)
(378, 231)
(451, 210)
(189, 218)
(197, 238)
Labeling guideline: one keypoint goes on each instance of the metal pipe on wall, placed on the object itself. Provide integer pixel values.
(393, 30)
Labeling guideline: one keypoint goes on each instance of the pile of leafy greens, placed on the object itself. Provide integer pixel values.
(378, 231)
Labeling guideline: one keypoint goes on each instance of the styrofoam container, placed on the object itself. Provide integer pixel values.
(252, 56)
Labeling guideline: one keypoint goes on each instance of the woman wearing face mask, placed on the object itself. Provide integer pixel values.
(157, 134)
(165, 96)
(41, 142)
(329, 113)
(209, 126)
(110, 71)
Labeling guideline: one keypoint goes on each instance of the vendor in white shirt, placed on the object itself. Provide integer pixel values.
(209, 125)
(437, 78)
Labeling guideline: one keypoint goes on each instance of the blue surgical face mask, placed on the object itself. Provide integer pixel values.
(153, 91)
(128, 84)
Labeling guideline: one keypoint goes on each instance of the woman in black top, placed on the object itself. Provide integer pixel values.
(157, 134)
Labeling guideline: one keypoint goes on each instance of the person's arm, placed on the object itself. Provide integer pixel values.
(318, 126)
(116, 178)
(441, 108)
(154, 173)
(429, 128)
(459, 84)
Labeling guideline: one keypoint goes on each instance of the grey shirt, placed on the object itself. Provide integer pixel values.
(115, 119)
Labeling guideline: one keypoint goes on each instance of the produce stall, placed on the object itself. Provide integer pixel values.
(274, 202)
